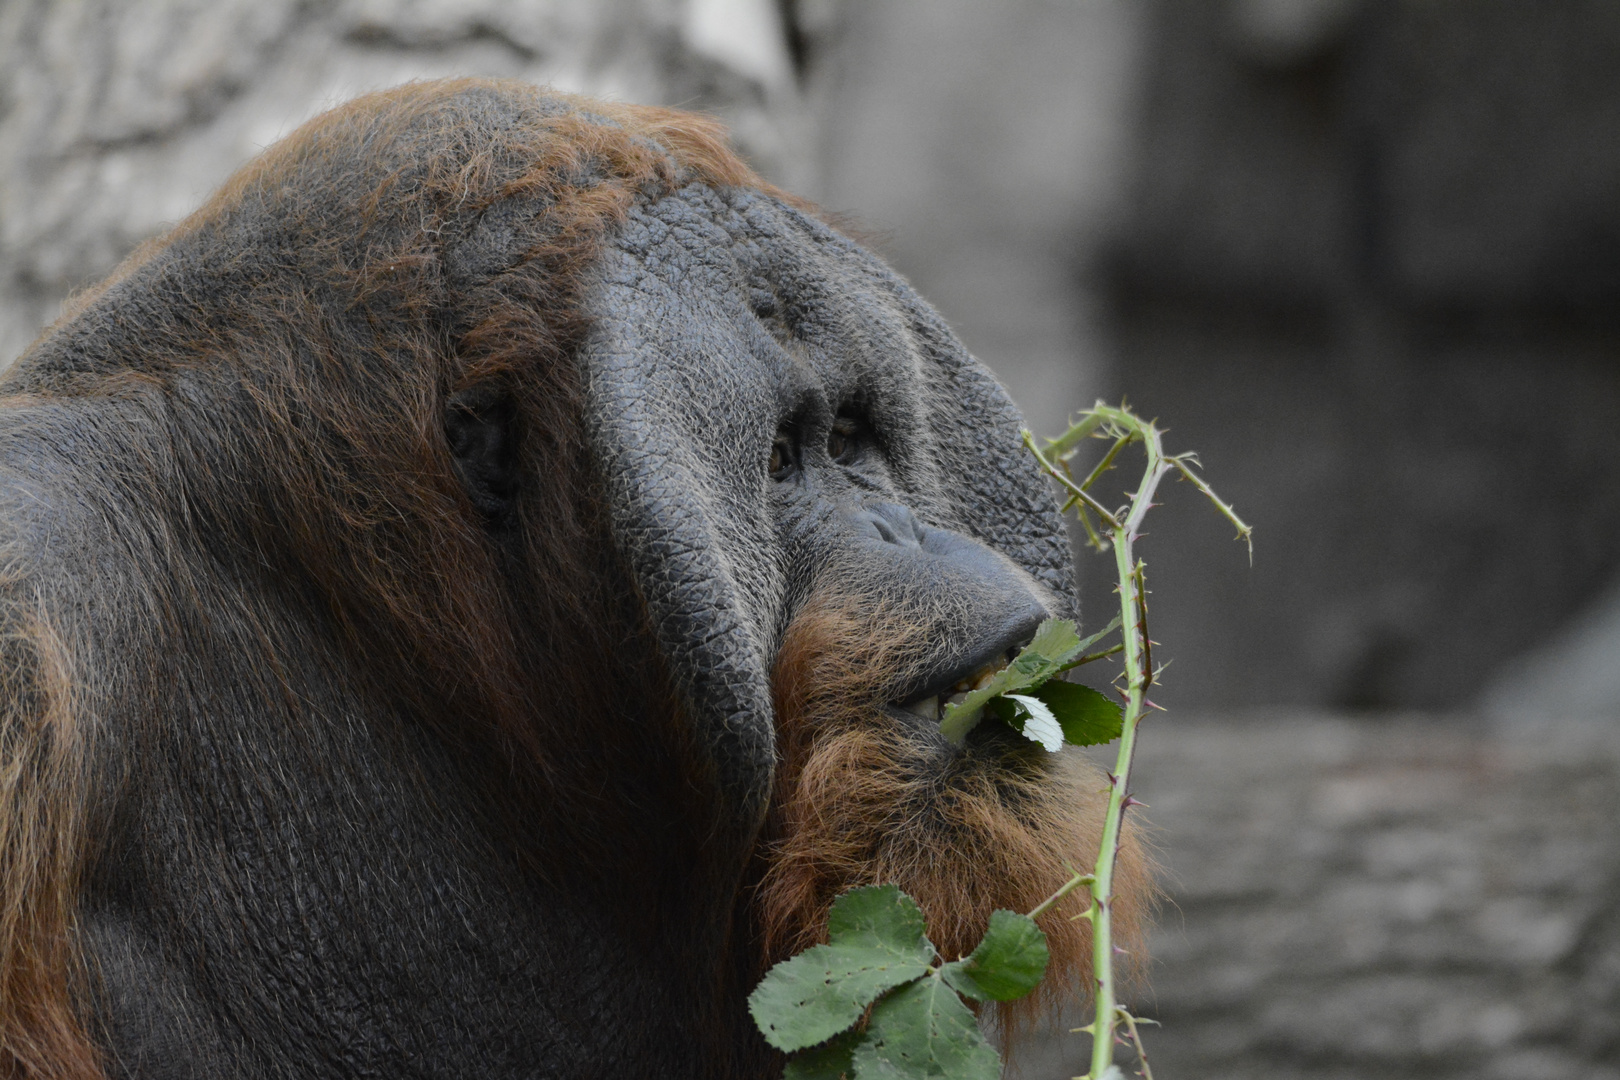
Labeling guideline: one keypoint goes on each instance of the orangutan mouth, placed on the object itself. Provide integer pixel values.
(957, 683)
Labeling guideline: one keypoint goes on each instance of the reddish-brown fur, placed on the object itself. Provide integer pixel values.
(862, 799)
(43, 792)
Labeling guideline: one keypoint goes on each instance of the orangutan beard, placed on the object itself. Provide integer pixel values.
(870, 794)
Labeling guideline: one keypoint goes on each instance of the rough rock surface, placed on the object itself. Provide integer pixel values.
(1414, 896)
(118, 117)
(986, 145)
(1369, 270)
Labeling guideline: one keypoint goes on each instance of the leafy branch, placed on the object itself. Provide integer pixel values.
(878, 958)
(1123, 527)
(878, 965)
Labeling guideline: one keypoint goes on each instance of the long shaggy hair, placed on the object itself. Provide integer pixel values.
(868, 795)
(308, 427)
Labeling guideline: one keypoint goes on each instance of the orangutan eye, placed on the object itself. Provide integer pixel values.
(783, 455)
(843, 442)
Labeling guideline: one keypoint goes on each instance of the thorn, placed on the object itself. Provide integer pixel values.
(1130, 801)
(1121, 952)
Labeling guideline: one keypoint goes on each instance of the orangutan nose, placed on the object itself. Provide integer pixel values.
(891, 523)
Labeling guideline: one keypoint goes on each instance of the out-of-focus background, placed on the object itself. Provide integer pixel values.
(1364, 255)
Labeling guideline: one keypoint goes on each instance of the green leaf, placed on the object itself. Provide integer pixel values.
(1008, 963)
(1088, 718)
(830, 1061)
(879, 916)
(1055, 643)
(1088, 642)
(876, 942)
(924, 1030)
(1037, 723)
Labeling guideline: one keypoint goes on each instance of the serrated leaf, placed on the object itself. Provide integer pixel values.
(924, 1030)
(1056, 639)
(1036, 722)
(880, 916)
(1008, 963)
(876, 942)
(830, 1061)
(1088, 718)
(1055, 643)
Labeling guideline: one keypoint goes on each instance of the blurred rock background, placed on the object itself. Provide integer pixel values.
(1364, 255)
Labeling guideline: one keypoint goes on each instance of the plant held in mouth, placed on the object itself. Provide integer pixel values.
(876, 1001)
(1027, 696)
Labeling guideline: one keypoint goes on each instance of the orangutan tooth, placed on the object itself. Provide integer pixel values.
(927, 708)
(956, 699)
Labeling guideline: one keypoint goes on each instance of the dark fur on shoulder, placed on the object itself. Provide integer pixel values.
(281, 362)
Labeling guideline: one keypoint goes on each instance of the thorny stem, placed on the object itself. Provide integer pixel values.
(1088, 642)
(1123, 426)
(1089, 421)
(1075, 490)
(1130, 1022)
(1106, 463)
(1245, 533)
(1102, 466)
(1102, 885)
(1089, 657)
(1141, 624)
(1065, 889)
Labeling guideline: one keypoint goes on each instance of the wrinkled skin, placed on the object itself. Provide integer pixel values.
(397, 560)
(797, 331)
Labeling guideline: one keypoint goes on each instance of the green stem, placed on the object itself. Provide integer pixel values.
(1064, 890)
(1089, 421)
(1130, 1022)
(1075, 490)
(1106, 463)
(1124, 427)
(1245, 533)
(1089, 657)
(1102, 885)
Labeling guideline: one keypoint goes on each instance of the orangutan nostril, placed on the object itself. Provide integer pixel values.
(891, 523)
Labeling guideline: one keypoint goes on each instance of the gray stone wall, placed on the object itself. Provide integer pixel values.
(1420, 896)
(118, 117)
(1370, 271)
(984, 147)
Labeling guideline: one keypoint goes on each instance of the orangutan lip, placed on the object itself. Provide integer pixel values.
(928, 708)
(959, 682)
(932, 707)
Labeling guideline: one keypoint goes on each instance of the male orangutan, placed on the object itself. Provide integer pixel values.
(474, 593)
